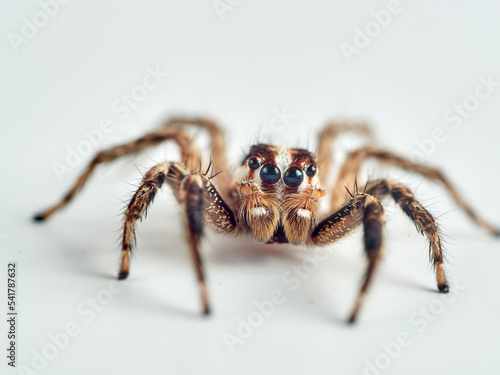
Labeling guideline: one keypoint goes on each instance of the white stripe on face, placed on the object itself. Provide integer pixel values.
(283, 159)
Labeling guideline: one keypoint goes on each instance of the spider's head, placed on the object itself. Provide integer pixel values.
(278, 193)
(279, 169)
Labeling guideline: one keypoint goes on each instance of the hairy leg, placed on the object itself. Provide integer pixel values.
(199, 201)
(189, 155)
(327, 138)
(361, 209)
(423, 220)
(218, 146)
(355, 160)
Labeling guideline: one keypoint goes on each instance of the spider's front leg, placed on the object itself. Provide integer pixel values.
(423, 220)
(199, 201)
(362, 208)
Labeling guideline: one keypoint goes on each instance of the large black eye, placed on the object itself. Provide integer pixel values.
(270, 174)
(293, 177)
(311, 171)
(253, 163)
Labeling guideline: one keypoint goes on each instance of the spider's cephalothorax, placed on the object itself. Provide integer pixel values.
(274, 196)
(278, 194)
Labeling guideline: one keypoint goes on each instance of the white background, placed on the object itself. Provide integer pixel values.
(262, 56)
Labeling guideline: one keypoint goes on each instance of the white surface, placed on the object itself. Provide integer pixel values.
(262, 57)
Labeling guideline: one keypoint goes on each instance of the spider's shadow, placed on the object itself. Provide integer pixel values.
(243, 249)
(226, 251)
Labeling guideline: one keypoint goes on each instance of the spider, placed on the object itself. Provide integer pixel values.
(274, 196)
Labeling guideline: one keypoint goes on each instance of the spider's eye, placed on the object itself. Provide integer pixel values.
(270, 174)
(253, 163)
(293, 177)
(311, 171)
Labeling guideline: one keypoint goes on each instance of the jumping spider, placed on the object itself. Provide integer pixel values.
(274, 196)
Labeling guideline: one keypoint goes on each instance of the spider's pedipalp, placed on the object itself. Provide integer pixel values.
(258, 211)
(301, 213)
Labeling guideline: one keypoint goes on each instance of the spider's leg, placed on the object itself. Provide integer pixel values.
(355, 160)
(199, 201)
(190, 156)
(137, 209)
(327, 138)
(218, 148)
(362, 208)
(423, 220)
